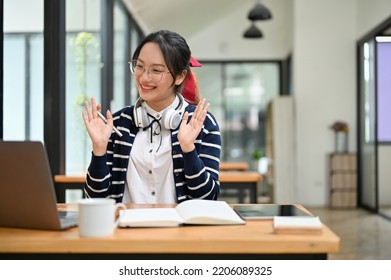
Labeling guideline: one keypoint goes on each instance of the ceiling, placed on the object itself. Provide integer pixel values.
(180, 15)
(223, 20)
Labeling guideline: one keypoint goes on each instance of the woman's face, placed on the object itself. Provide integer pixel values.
(153, 79)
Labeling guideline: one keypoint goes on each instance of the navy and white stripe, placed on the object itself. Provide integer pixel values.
(196, 174)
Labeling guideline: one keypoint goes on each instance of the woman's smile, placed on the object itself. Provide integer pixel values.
(146, 87)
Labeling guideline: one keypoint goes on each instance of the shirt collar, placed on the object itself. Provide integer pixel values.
(157, 115)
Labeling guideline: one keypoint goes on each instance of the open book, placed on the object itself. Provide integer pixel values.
(196, 212)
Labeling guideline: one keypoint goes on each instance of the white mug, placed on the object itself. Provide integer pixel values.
(97, 216)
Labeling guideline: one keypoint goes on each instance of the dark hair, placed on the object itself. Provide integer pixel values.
(175, 51)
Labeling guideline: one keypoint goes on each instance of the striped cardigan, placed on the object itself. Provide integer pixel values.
(196, 174)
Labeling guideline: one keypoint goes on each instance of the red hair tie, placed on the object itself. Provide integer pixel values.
(189, 88)
(194, 62)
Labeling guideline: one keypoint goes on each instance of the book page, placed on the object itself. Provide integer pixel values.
(150, 217)
(197, 211)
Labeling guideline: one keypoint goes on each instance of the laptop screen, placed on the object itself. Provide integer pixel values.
(27, 194)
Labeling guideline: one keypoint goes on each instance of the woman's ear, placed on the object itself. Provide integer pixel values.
(180, 78)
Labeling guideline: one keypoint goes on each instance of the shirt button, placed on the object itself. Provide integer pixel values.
(150, 171)
(153, 193)
(150, 150)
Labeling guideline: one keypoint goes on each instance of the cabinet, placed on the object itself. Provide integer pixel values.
(343, 180)
(280, 135)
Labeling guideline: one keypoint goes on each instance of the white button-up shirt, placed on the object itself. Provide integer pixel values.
(149, 177)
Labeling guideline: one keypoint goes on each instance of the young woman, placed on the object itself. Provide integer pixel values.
(170, 149)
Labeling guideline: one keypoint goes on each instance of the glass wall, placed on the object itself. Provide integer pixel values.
(383, 89)
(82, 77)
(84, 71)
(135, 38)
(23, 70)
(374, 129)
(23, 106)
(367, 127)
(120, 67)
(239, 93)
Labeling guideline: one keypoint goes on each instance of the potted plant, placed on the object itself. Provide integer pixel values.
(261, 162)
(341, 130)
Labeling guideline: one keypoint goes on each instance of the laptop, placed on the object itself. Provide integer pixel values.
(27, 195)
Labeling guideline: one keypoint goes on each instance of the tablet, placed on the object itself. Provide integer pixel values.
(268, 211)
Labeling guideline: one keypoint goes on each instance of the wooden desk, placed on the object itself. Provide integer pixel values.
(255, 240)
(65, 182)
(239, 180)
(232, 166)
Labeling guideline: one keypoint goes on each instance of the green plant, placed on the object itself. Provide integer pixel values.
(81, 44)
(258, 154)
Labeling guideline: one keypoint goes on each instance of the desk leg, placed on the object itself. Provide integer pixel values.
(254, 193)
(241, 188)
(61, 189)
(60, 192)
(241, 196)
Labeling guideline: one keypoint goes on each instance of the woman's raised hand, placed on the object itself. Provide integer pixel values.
(97, 129)
(189, 131)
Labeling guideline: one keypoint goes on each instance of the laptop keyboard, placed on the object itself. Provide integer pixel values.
(68, 218)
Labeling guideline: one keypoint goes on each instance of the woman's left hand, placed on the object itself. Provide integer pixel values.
(188, 131)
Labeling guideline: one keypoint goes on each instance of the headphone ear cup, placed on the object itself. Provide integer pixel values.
(171, 118)
(143, 117)
(140, 115)
(137, 117)
(182, 106)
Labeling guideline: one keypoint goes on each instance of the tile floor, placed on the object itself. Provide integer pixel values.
(364, 235)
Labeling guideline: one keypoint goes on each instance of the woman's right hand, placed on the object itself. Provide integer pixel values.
(97, 129)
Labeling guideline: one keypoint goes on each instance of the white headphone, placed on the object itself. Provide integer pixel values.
(170, 119)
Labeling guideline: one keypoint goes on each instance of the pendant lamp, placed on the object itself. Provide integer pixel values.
(259, 12)
(253, 32)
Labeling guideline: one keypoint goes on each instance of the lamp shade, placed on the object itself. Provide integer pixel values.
(259, 12)
(253, 32)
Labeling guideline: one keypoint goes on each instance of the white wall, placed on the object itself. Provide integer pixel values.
(227, 33)
(370, 14)
(324, 85)
(325, 81)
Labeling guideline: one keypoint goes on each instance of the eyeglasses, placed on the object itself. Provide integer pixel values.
(155, 73)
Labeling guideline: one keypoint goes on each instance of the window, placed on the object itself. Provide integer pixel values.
(82, 77)
(23, 100)
(23, 70)
(383, 88)
(121, 69)
(239, 93)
